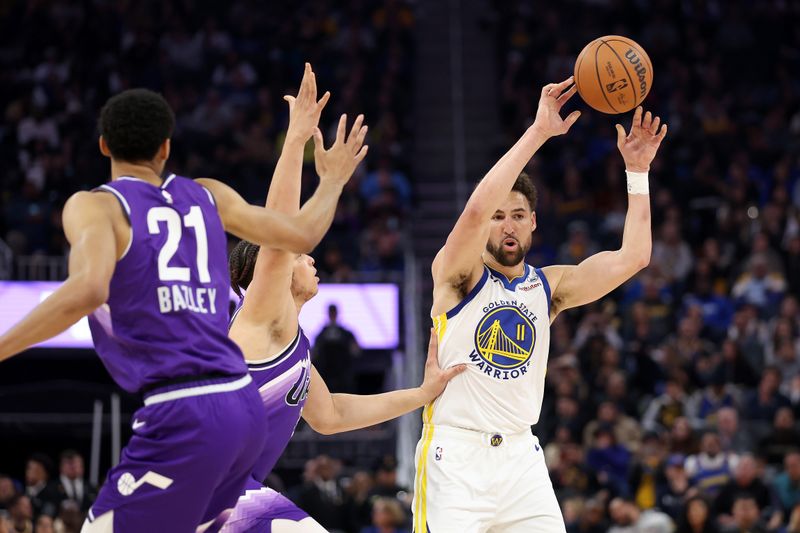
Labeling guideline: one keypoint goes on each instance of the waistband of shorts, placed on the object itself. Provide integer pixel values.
(200, 385)
(491, 439)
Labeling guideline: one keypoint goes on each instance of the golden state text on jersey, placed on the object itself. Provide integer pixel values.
(501, 331)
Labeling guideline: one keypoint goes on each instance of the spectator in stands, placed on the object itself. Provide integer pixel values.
(787, 483)
(45, 524)
(626, 431)
(682, 437)
(662, 412)
(735, 367)
(764, 402)
(759, 286)
(746, 332)
(358, 504)
(335, 350)
(628, 518)
(696, 518)
(20, 512)
(71, 482)
(674, 491)
(745, 481)
(731, 437)
(609, 460)
(705, 404)
(746, 516)
(672, 254)
(7, 491)
(386, 479)
(645, 473)
(387, 517)
(5, 523)
(710, 469)
(320, 495)
(782, 439)
(43, 493)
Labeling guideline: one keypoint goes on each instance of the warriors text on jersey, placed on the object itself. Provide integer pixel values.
(167, 310)
(501, 330)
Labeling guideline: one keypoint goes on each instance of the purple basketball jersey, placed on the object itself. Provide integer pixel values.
(167, 310)
(283, 383)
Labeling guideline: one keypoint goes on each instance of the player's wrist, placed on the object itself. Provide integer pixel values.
(638, 181)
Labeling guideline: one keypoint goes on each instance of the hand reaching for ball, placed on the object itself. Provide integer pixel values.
(548, 119)
(639, 147)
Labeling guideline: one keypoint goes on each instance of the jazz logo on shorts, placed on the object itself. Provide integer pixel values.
(504, 342)
(127, 484)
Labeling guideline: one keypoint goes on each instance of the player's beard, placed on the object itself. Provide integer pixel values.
(509, 259)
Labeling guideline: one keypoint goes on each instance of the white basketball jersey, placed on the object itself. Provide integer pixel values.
(501, 330)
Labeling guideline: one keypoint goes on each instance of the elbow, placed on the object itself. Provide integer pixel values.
(322, 427)
(94, 295)
(642, 262)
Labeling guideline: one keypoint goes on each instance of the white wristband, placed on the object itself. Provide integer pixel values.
(638, 182)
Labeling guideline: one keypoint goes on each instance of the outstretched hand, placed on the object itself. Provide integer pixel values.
(339, 162)
(436, 378)
(304, 109)
(639, 147)
(548, 118)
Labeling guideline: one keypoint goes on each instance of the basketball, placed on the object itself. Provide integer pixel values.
(613, 74)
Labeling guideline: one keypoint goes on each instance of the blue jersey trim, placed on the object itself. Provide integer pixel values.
(468, 298)
(546, 286)
(510, 284)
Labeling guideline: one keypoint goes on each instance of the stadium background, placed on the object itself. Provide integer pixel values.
(700, 350)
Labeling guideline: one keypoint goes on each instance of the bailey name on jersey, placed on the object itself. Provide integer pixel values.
(174, 298)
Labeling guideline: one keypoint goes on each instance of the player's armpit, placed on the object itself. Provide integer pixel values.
(593, 278)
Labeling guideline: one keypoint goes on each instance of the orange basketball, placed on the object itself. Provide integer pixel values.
(613, 74)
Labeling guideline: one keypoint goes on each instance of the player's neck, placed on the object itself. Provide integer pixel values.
(510, 272)
(143, 171)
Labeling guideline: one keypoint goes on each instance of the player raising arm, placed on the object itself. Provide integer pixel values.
(99, 233)
(598, 275)
(266, 326)
(492, 311)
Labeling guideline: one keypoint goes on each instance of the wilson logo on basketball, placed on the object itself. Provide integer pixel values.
(639, 68)
(616, 85)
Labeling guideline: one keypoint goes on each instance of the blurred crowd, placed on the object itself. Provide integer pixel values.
(365, 501)
(224, 69)
(675, 401)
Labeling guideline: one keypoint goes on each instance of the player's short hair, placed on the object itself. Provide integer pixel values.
(524, 185)
(242, 263)
(135, 123)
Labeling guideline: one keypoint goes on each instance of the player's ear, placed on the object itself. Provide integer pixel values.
(163, 150)
(533, 221)
(103, 147)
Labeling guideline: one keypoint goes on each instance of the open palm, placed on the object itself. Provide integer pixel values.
(548, 115)
(639, 147)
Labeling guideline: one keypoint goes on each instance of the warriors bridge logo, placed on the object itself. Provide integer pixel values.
(504, 342)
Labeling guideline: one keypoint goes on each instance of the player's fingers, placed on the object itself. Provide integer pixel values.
(647, 121)
(637, 119)
(559, 88)
(547, 88)
(319, 143)
(303, 91)
(356, 128)
(361, 154)
(359, 140)
(662, 133)
(654, 125)
(567, 95)
(571, 119)
(341, 129)
(433, 346)
(312, 86)
(323, 101)
(620, 136)
(289, 100)
(453, 371)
